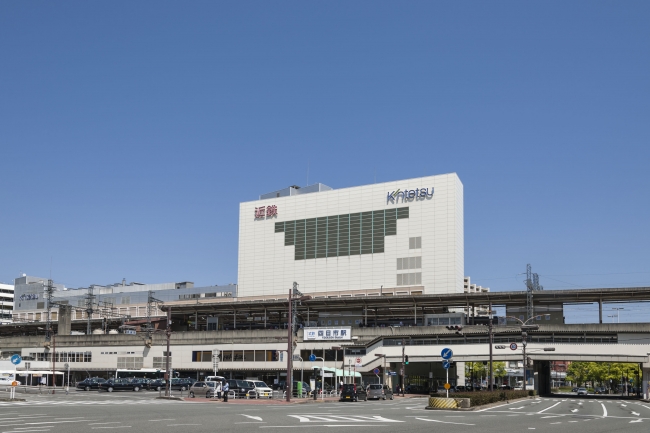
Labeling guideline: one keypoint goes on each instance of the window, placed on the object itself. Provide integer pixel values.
(40, 305)
(131, 362)
(410, 279)
(125, 300)
(415, 243)
(159, 362)
(202, 356)
(341, 235)
(409, 263)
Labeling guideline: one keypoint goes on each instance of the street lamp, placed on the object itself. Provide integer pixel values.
(617, 309)
(525, 327)
(336, 360)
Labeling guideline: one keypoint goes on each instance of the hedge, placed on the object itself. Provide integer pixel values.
(478, 398)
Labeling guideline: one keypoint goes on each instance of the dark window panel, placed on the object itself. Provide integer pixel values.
(279, 227)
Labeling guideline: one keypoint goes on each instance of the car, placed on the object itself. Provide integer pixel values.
(156, 384)
(7, 381)
(600, 390)
(353, 392)
(261, 389)
(241, 388)
(378, 391)
(506, 387)
(281, 385)
(583, 391)
(90, 383)
(119, 385)
(575, 389)
(206, 389)
(181, 384)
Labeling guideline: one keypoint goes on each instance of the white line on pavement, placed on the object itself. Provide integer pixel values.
(604, 411)
(443, 422)
(550, 407)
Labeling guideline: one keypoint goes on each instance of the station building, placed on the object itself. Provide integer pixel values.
(6, 302)
(402, 237)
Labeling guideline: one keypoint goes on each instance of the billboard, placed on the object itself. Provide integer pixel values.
(338, 333)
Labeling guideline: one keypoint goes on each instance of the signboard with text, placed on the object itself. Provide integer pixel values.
(342, 333)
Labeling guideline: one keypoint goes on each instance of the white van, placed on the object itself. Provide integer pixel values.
(215, 379)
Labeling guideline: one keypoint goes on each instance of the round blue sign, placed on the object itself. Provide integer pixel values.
(16, 359)
(376, 371)
(445, 364)
(446, 353)
(312, 357)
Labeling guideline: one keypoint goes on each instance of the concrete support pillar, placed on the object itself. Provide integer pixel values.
(600, 311)
(460, 372)
(646, 382)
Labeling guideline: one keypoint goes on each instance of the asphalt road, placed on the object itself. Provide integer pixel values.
(142, 412)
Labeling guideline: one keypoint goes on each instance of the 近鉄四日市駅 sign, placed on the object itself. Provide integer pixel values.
(409, 194)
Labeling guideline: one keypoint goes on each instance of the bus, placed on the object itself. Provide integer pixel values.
(143, 373)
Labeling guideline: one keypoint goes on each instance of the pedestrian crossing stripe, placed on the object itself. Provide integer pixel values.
(85, 402)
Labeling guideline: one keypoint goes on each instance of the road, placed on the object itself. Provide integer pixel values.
(142, 412)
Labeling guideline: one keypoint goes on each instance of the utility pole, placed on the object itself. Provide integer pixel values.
(524, 334)
(90, 298)
(167, 360)
(491, 340)
(289, 381)
(403, 366)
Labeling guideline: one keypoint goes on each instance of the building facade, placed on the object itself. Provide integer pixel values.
(6, 302)
(405, 237)
(115, 301)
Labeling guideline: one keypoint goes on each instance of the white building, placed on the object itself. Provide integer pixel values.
(401, 237)
(6, 302)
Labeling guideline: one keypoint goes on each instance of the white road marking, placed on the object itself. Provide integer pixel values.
(574, 410)
(100, 423)
(443, 422)
(256, 418)
(551, 416)
(516, 408)
(636, 413)
(117, 426)
(556, 423)
(604, 411)
(176, 425)
(636, 420)
(550, 407)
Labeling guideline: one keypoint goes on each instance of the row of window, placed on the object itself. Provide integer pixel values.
(415, 243)
(606, 339)
(341, 235)
(133, 362)
(410, 279)
(63, 356)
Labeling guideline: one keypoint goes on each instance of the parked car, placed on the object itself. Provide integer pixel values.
(119, 385)
(181, 384)
(583, 391)
(7, 381)
(378, 391)
(353, 392)
(262, 390)
(241, 388)
(90, 383)
(281, 385)
(600, 390)
(575, 389)
(201, 389)
(156, 384)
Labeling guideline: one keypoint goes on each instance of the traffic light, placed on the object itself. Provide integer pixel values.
(406, 359)
(457, 328)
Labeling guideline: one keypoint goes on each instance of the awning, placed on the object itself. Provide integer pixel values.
(339, 373)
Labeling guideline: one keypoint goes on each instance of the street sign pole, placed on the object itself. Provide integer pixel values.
(447, 382)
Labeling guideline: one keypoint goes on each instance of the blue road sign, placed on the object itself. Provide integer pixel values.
(445, 364)
(446, 353)
(312, 357)
(376, 371)
(16, 359)
(392, 373)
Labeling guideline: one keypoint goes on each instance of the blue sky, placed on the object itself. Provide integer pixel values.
(130, 131)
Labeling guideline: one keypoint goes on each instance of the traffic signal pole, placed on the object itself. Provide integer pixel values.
(403, 368)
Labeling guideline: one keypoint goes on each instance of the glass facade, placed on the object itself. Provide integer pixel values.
(341, 235)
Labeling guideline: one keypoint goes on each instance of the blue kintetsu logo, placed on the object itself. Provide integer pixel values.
(412, 194)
